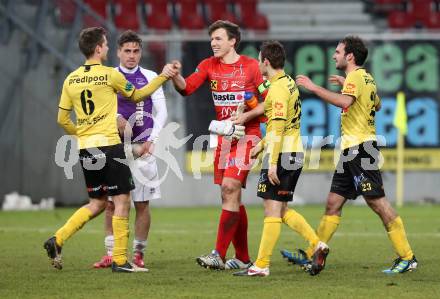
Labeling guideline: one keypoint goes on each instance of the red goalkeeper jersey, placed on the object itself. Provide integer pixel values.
(228, 83)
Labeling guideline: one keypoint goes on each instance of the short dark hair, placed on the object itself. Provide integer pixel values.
(89, 38)
(232, 30)
(129, 36)
(274, 52)
(356, 46)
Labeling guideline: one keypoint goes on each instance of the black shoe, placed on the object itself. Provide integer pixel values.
(127, 268)
(54, 253)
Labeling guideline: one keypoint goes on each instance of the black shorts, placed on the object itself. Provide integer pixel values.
(288, 170)
(103, 174)
(359, 174)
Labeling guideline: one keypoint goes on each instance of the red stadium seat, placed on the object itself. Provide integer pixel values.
(218, 10)
(421, 9)
(66, 11)
(100, 7)
(158, 16)
(189, 16)
(433, 21)
(126, 16)
(250, 17)
(401, 20)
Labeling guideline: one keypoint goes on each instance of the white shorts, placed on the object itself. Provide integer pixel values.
(146, 179)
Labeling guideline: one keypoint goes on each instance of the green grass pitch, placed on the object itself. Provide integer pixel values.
(359, 251)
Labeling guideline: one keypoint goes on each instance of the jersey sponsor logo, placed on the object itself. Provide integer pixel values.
(214, 84)
(141, 81)
(228, 98)
(90, 121)
(226, 112)
(128, 86)
(96, 80)
(237, 84)
(350, 88)
(279, 114)
(369, 80)
(225, 84)
(279, 105)
(237, 73)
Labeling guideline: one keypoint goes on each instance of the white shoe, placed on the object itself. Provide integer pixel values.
(235, 263)
(253, 271)
(211, 261)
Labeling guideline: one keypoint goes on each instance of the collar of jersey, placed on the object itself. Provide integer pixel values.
(277, 76)
(92, 62)
(128, 71)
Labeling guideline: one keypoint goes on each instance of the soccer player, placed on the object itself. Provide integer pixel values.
(230, 75)
(145, 133)
(357, 172)
(282, 163)
(91, 91)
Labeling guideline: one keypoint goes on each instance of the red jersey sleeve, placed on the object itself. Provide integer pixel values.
(196, 79)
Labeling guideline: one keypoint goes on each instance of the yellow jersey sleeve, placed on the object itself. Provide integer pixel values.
(65, 100)
(121, 84)
(278, 97)
(352, 85)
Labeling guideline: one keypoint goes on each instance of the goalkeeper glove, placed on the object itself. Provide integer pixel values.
(227, 129)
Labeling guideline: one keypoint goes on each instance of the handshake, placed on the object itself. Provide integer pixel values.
(172, 69)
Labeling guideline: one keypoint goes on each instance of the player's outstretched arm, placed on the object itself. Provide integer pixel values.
(178, 80)
(337, 99)
(168, 71)
(65, 122)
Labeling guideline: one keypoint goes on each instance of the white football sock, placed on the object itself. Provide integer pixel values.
(109, 242)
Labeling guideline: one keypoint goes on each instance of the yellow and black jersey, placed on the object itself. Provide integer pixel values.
(357, 121)
(91, 91)
(282, 103)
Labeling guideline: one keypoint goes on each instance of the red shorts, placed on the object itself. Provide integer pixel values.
(232, 159)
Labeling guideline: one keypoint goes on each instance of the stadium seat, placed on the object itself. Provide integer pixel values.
(100, 7)
(126, 16)
(422, 10)
(189, 15)
(158, 16)
(250, 17)
(433, 21)
(218, 10)
(66, 10)
(400, 20)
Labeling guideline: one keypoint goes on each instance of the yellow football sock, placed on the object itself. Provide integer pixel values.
(75, 223)
(269, 237)
(397, 235)
(120, 233)
(326, 229)
(297, 222)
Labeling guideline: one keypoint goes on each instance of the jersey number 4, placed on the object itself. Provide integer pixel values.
(86, 100)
